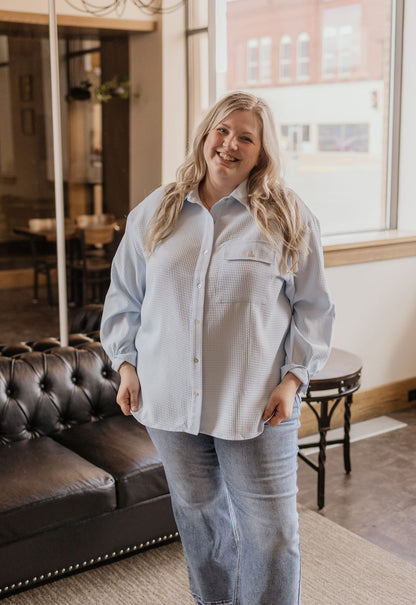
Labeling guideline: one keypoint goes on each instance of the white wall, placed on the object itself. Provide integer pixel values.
(145, 114)
(376, 317)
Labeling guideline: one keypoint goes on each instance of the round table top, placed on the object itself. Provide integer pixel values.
(340, 365)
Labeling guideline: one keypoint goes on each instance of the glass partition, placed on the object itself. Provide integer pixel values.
(94, 90)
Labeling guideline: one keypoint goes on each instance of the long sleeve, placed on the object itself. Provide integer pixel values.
(122, 308)
(308, 342)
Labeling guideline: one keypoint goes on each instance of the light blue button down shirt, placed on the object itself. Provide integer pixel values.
(211, 319)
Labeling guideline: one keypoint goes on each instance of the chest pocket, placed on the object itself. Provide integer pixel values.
(246, 272)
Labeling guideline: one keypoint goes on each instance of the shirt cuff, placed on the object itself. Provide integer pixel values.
(300, 372)
(119, 359)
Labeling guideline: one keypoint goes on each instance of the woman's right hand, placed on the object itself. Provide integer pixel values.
(128, 392)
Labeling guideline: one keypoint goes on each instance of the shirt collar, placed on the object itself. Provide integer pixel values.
(239, 194)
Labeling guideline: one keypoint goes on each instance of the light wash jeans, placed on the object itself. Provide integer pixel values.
(235, 508)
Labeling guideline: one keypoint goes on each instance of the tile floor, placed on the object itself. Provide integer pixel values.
(377, 500)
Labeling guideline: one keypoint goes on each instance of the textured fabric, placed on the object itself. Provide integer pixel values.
(235, 508)
(212, 320)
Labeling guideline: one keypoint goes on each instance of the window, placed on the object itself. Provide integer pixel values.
(341, 39)
(252, 61)
(329, 51)
(303, 57)
(345, 59)
(336, 134)
(294, 137)
(265, 59)
(197, 57)
(285, 57)
(343, 137)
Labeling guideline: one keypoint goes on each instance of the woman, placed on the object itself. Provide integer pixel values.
(217, 315)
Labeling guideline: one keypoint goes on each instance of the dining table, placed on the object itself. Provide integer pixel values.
(72, 234)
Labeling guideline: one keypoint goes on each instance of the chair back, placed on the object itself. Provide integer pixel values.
(94, 220)
(46, 224)
(98, 236)
(42, 224)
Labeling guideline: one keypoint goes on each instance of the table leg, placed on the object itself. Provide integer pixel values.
(323, 428)
(347, 426)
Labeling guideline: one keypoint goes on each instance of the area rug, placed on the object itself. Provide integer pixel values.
(338, 568)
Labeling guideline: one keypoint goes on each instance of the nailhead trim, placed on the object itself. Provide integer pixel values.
(64, 570)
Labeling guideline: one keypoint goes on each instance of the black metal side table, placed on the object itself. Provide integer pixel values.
(336, 382)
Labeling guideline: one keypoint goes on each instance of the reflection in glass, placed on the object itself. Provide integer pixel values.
(94, 81)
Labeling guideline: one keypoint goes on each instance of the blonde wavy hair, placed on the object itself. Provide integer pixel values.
(272, 205)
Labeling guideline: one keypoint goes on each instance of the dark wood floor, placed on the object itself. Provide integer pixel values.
(377, 500)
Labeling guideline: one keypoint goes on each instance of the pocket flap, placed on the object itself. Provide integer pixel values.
(258, 251)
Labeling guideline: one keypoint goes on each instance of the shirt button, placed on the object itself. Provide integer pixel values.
(199, 285)
(196, 394)
(197, 321)
(196, 360)
(205, 251)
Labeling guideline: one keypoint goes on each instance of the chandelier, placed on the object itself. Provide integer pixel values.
(151, 7)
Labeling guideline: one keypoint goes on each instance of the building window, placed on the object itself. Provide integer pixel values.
(252, 61)
(294, 137)
(343, 137)
(285, 57)
(329, 52)
(345, 58)
(341, 41)
(303, 57)
(265, 59)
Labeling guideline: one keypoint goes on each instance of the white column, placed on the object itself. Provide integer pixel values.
(59, 190)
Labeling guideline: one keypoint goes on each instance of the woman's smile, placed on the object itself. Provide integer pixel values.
(232, 149)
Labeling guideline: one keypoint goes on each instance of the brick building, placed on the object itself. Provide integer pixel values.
(322, 64)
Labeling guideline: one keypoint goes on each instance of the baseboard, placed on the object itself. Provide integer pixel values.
(366, 404)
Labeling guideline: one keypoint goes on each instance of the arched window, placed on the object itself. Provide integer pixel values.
(265, 59)
(302, 71)
(285, 57)
(252, 60)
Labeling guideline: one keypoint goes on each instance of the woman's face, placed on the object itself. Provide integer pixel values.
(232, 149)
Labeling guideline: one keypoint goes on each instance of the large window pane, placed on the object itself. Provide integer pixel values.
(329, 91)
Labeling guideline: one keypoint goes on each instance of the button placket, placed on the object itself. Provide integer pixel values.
(201, 270)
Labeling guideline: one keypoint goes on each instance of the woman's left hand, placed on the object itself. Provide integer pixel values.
(281, 401)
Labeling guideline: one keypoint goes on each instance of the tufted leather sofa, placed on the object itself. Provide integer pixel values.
(81, 484)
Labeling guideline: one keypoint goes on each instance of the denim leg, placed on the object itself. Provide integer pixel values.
(202, 512)
(260, 475)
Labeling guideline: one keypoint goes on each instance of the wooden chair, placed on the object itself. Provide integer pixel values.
(90, 263)
(42, 237)
(43, 263)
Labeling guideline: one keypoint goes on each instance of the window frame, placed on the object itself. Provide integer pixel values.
(384, 240)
